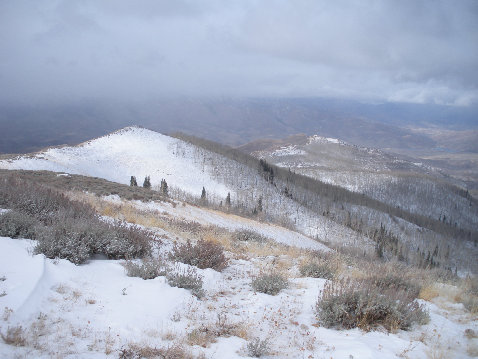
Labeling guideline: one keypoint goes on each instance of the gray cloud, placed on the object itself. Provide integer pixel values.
(65, 50)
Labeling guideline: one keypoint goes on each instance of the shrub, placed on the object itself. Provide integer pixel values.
(205, 254)
(316, 269)
(246, 235)
(15, 336)
(77, 240)
(135, 351)
(187, 279)
(67, 239)
(271, 283)
(17, 225)
(391, 281)
(148, 268)
(124, 241)
(65, 228)
(349, 304)
(40, 202)
(257, 347)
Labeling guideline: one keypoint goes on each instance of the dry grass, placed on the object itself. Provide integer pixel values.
(208, 333)
(322, 265)
(135, 350)
(168, 335)
(442, 294)
(429, 292)
(6, 313)
(15, 336)
(201, 336)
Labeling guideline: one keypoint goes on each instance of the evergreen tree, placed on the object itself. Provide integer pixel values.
(203, 194)
(147, 182)
(228, 199)
(132, 182)
(164, 187)
(259, 204)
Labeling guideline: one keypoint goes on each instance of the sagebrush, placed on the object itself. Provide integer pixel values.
(350, 304)
(205, 254)
(65, 228)
(187, 279)
(147, 268)
(269, 283)
(257, 348)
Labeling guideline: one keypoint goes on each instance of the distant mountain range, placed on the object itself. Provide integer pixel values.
(236, 122)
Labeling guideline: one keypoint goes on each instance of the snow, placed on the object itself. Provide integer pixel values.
(288, 151)
(89, 296)
(320, 139)
(94, 310)
(132, 151)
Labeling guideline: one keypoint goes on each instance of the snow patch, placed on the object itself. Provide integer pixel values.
(320, 139)
(291, 150)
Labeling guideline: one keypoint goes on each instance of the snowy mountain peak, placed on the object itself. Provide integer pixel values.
(131, 151)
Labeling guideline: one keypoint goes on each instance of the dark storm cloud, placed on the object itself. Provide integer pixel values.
(64, 50)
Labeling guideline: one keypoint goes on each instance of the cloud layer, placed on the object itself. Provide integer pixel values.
(423, 51)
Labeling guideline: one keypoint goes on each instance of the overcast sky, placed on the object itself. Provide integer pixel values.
(54, 51)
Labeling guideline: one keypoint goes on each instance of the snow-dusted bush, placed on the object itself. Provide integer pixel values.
(187, 279)
(17, 225)
(40, 202)
(247, 235)
(78, 239)
(348, 304)
(316, 269)
(269, 283)
(67, 239)
(257, 348)
(148, 268)
(123, 241)
(136, 351)
(63, 227)
(205, 254)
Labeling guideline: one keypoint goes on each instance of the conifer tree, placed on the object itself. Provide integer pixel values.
(228, 199)
(203, 194)
(147, 182)
(164, 187)
(132, 182)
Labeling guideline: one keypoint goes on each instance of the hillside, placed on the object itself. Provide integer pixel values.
(214, 280)
(323, 210)
(413, 186)
(132, 151)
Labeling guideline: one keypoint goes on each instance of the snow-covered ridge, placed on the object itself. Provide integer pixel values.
(132, 151)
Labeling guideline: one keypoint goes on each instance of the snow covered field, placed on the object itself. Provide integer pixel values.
(94, 310)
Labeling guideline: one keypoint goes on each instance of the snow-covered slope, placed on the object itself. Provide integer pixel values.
(132, 151)
(399, 182)
(95, 310)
